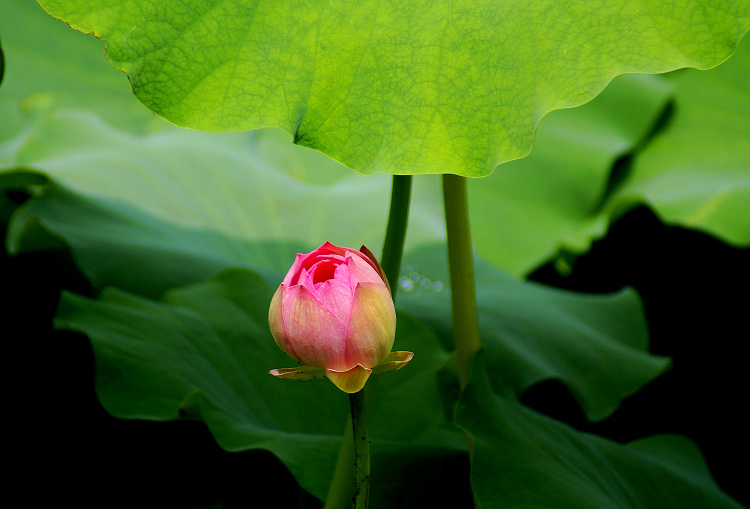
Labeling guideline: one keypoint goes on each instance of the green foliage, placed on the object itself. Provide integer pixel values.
(596, 345)
(47, 69)
(556, 199)
(183, 236)
(396, 87)
(697, 172)
(523, 459)
(2, 64)
(204, 351)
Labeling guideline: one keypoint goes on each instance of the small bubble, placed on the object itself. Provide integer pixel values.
(426, 283)
(437, 286)
(405, 284)
(414, 276)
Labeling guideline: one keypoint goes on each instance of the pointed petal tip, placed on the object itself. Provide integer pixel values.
(376, 265)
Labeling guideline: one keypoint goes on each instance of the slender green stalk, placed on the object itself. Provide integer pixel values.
(461, 264)
(362, 451)
(395, 233)
(340, 490)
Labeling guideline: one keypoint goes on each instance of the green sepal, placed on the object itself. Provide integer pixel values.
(300, 373)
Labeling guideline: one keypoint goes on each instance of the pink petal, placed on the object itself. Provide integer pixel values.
(372, 325)
(276, 322)
(315, 334)
(361, 270)
(292, 276)
(336, 295)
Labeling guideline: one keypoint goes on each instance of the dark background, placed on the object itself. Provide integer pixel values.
(696, 294)
(65, 448)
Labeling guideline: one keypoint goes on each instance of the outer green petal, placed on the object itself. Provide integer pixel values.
(352, 380)
(300, 373)
(394, 362)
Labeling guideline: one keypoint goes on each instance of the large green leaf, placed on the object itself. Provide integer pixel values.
(596, 345)
(204, 351)
(524, 459)
(398, 87)
(261, 187)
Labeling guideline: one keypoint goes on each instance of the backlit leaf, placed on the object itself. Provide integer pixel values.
(389, 86)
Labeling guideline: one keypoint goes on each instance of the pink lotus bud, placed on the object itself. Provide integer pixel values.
(334, 312)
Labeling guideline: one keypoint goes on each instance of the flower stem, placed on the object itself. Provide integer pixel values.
(362, 451)
(340, 491)
(461, 264)
(395, 233)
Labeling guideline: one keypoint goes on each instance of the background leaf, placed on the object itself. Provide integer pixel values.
(533, 333)
(675, 143)
(46, 68)
(148, 207)
(536, 333)
(204, 351)
(551, 200)
(523, 459)
(696, 173)
(417, 88)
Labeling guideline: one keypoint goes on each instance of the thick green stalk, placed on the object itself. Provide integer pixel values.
(340, 491)
(362, 451)
(461, 264)
(395, 233)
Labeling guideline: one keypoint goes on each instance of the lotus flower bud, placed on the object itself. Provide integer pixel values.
(334, 313)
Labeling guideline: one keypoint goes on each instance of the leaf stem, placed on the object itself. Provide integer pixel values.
(461, 264)
(362, 451)
(395, 233)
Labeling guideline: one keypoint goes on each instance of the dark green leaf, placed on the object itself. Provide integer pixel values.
(596, 344)
(524, 459)
(204, 351)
